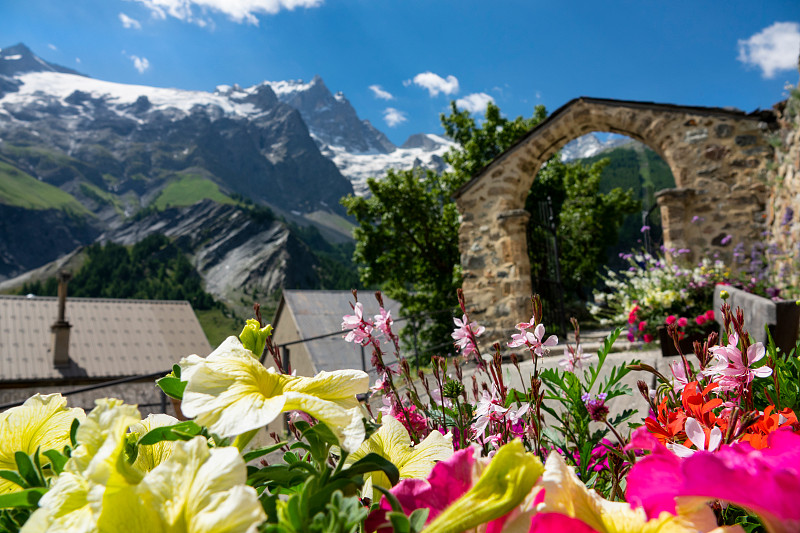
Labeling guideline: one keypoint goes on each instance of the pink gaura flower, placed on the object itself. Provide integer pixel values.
(767, 481)
(728, 367)
(680, 380)
(574, 359)
(533, 340)
(383, 322)
(360, 329)
(462, 335)
(489, 409)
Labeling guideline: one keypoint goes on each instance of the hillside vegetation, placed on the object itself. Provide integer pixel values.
(640, 169)
(23, 190)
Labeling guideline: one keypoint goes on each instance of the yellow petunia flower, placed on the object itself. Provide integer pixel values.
(150, 456)
(231, 393)
(392, 442)
(504, 483)
(565, 494)
(96, 477)
(42, 422)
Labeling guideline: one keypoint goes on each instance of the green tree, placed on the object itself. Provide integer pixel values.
(407, 239)
(407, 242)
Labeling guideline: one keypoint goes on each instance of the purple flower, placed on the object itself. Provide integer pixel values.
(645, 228)
(696, 219)
(598, 410)
(788, 215)
(726, 239)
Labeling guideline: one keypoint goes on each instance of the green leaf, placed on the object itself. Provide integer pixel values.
(373, 462)
(255, 454)
(25, 498)
(513, 397)
(57, 460)
(172, 386)
(73, 432)
(400, 522)
(27, 470)
(181, 431)
(13, 477)
(418, 518)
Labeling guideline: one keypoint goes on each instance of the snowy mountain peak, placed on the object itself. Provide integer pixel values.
(18, 59)
(590, 145)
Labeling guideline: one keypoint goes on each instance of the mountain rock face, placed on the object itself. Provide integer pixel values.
(19, 58)
(357, 148)
(331, 118)
(237, 252)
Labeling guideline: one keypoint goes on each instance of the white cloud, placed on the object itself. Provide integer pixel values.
(53, 47)
(474, 103)
(128, 22)
(78, 60)
(393, 117)
(140, 63)
(237, 10)
(436, 84)
(772, 49)
(378, 91)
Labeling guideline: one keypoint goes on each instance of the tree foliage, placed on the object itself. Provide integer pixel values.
(152, 269)
(587, 221)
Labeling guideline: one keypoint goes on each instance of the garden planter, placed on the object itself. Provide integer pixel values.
(781, 318)
(686, 344)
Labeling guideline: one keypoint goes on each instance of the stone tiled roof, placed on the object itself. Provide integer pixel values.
(318, 312)
(109, 338)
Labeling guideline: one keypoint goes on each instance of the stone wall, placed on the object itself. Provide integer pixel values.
(718, 157)
(783, 211)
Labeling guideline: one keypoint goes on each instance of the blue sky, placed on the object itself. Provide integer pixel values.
(424, 53)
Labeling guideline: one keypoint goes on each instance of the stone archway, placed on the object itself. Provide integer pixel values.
(718, 158)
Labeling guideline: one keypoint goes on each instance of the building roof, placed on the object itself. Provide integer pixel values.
(109, 338)
(316, 313)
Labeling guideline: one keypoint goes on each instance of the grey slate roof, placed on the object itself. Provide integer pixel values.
(318, 312)
(109, 338)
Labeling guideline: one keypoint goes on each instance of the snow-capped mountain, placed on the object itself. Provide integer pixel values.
(423, 150)
(589, 145)
(94, 138)
(358, 149)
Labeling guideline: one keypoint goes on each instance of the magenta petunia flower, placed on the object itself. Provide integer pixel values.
(448, 481)
(766, 481)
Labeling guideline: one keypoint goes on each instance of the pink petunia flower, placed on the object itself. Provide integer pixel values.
(710, 314)
(700, 319)
(682, 322)
(671, 319)
(642, 325)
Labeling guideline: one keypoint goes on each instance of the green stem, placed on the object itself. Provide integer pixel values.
(244, 439)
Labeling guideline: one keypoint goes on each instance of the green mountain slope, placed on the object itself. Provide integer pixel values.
(637, 167)
(23, 190)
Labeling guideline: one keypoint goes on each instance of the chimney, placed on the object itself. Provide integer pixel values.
(61, 327)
